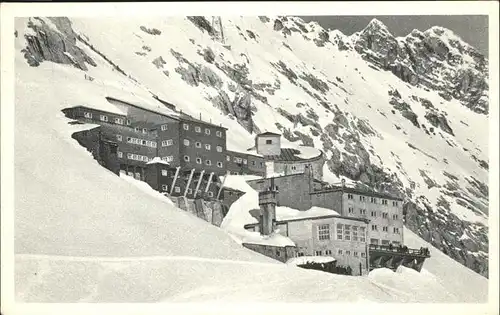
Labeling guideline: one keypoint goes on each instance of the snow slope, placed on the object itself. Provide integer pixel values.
(83, 234)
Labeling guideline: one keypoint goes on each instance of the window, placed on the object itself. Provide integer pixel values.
(355, 233)
(385, 242)
(153, 144)
(197, 129)
(361, 198)
(208, 162)
(385, 215)
(394, 216)
(228, 158)
(144, 142)
(207, 131)
(385, 228)
(374, 227)
(137, 129)
(362, 211)
(164, 187)
(396, 230)
(339, 231)
(186, 142)
(210, 194)
(177, 189)
(373, 200)
(355, 254)
(261, 164)
(340, 252)
(169, 158)
(197, 144)
(238, 160)
(87, 115)
(103, 118)
(269, 141)
(275, 187)
(219, 148)
(348, 252)
(384, 201)
(198, 160)
(219, 164)
(186, 158)
(245, 161)
(373, 213)
(395, 203)
(119, 137)
(163, 127)
(362, 230)
(323, 232)
(167, 143)
(374, 241)
(208, 146)
(185, 126)
(363, 255)
(328, 252)
(119, 121)
(351, 210)
(164, 173)
(190, 191)
(219, 134)
(294, 168)
(318, 253)
(120, 154)
(350, 196)
(144, 130)
(253, 163)
(347, 232)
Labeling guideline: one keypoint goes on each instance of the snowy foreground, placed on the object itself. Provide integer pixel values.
(83, 234)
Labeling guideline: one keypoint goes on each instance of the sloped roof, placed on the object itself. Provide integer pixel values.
(268, 133)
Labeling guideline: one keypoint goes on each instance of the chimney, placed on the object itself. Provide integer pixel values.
(267, 203)
(343, 182)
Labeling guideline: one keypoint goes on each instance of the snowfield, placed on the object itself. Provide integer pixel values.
(83, 234)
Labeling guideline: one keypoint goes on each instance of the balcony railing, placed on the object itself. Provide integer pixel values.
(423, 251)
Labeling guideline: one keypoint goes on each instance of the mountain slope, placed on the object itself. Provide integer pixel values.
(402, 136)
(83, 234)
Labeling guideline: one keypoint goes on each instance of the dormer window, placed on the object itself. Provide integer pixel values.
(185, 126)
(163, 127)
(103, 118)
(87, 115)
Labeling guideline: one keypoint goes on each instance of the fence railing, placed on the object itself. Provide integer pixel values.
(423, 251)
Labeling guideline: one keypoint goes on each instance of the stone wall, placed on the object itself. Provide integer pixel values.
(282, 254)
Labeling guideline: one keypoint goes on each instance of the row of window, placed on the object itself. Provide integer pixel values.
(117, 120)
(243, 161)
(344, 232)
(136, 157)
(372, 200)
(186, 142)
(199, 161)
(385, 215)
(177, 189)
(198, 129)
(340, 252)
(147, 143)
(385, 229)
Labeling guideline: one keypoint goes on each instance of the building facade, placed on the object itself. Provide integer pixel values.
(384, 212)
(343, 238)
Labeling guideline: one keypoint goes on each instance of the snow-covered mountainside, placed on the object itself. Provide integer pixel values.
(408, 116)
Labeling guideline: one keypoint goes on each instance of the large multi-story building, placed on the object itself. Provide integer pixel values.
(195, 150)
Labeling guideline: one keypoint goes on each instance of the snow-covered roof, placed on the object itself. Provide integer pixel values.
(271, 240)
(308, 259)
(286, 213)
(157, 160)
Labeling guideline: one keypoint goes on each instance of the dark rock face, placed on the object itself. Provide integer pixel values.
(429, 59)
(438, 120)
(202, 23)
(59, 46)
(278, 25)
(150, 31)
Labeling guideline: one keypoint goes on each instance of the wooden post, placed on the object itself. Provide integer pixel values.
(189, 182)
(175, 179)
(222, 185)
(209, 181)
(199, 183)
